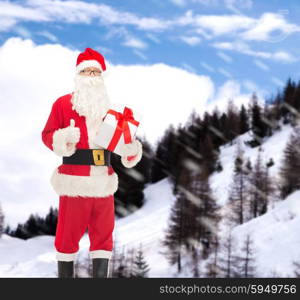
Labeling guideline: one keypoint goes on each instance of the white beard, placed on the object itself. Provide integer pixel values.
(90, 97)
(90, 100)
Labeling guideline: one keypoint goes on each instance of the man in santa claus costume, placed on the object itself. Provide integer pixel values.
(85, 181)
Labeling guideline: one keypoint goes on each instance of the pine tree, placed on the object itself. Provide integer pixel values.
(195, 258)
(36, 225)
(270, 119)
(140, 266)
(216, 130)
(287, 108)
(212, 269)
(164, 155)
(204, 214)
(120, 267)
(51, 221)
(174, 236)
(258, 126)
(31, 226)
(296, 115)
(290, 168)
(243, 120)
(296, 265)
(20, 232)
(245, 263)
(238, 196)
(232, 123)
(131, 254)
(227, 262)
(197, 219)
(1, 221)
(260, 187)
(209, 155)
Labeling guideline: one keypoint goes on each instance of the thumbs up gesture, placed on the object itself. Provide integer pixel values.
(73, 135)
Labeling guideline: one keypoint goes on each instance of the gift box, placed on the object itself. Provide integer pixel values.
(118, 127)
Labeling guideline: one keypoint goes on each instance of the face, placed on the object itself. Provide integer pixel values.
(90, 71)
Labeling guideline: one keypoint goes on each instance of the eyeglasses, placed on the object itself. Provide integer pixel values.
(89, 72)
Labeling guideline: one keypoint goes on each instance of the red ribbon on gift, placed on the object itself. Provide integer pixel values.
(122, 127)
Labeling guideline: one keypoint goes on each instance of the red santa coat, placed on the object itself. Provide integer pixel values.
(79, 180)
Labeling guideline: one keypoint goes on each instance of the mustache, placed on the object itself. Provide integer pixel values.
(88, 81)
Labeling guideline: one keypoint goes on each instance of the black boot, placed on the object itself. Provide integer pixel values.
(100, 267)
(65, 269)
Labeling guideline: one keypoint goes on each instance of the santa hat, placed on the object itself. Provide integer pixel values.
(90, 58)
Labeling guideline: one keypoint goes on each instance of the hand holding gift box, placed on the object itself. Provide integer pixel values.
(117, 132)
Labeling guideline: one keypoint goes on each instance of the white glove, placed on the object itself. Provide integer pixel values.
(130, 149)
(72, 133)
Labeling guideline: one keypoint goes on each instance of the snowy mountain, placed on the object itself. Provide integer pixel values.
(276, 238)
(273, 233)
(35, 257)
(272, 147)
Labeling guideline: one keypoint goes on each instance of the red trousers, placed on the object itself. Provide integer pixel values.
(78, 214)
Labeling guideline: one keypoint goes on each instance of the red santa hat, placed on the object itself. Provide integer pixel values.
(90, 58)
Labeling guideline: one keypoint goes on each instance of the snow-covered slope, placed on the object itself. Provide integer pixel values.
(272, 148)
(276, 238)
(35, 257)
(275, 234)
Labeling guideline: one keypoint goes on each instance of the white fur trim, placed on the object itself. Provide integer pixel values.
(59, 143)
(131, 163)
(100, 254)
(98, 184)
(65, 256)
(88, 63)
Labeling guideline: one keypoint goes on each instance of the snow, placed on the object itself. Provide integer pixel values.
(27, 258)
(276, 237)
(35, 257)
(275, 234)
(272, 148)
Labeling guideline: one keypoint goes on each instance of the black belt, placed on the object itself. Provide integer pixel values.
(97, 157)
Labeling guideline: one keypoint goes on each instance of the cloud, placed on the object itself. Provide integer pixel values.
(244, 48)
(277, 81)
(236, 5)
(72, 12)
(188, 67)
(215, 24)
(191, 40)
(207, 67)
(208, 26)
(19, 12)
(161, 94)
(224, 72)
(31, 77)
(224, 56)
(128, 39)
(179, 2)
(266, 25)
(134, 42)
(23, 32)
(140, 54)
(239, 26)
(7, 23)
(51, 37)
(230, 90)
(250, 85)
(229, 4)
(261, 65)
(153, 38)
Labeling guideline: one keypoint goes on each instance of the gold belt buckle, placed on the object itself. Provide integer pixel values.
(98, 155)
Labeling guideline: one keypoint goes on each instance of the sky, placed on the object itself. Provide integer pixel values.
(255, 42)
(164, 60)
